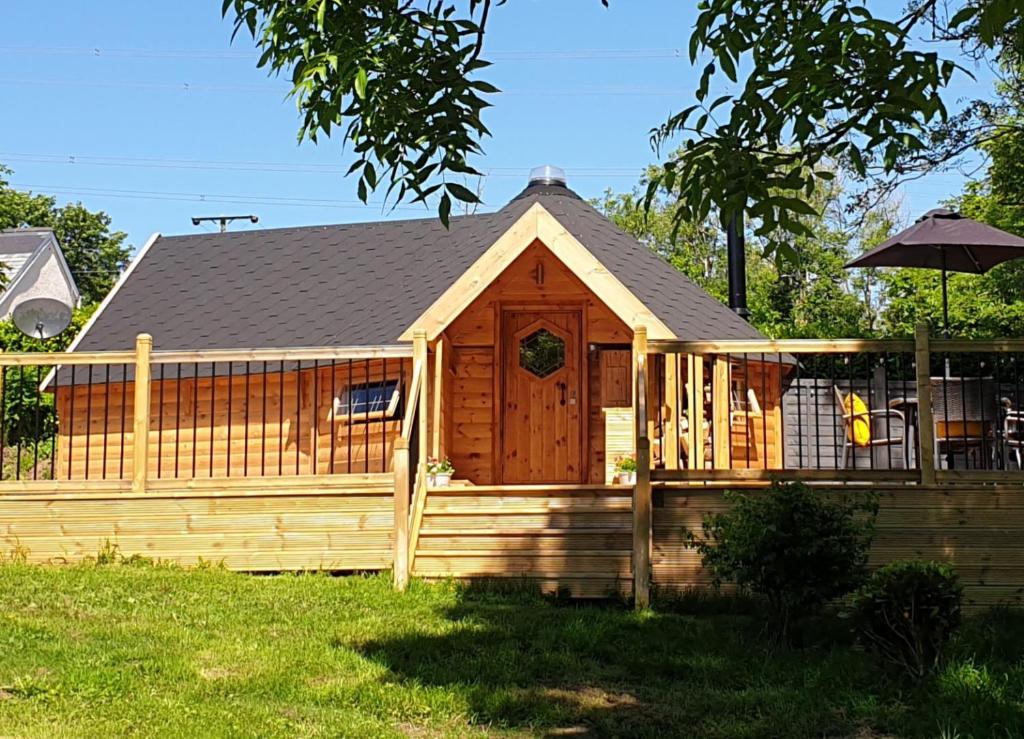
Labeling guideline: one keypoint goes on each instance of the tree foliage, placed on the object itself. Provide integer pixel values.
(980, 306)
(812, 297)
(95, 254)
(827, 81)
(400, 77)
(809, 82)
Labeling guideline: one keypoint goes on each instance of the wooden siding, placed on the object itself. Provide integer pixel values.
(342, 523)
(535, 280)
(977, 529)
(472, 413)
(257, 425)
(571, 538)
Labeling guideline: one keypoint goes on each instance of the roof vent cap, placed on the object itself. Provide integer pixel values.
(547, 175)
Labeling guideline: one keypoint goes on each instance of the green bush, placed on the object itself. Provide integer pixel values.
(796, 547)
(907, 612)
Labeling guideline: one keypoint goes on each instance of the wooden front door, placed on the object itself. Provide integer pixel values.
(542, 417)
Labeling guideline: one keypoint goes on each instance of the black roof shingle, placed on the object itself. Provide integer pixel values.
(362, 284)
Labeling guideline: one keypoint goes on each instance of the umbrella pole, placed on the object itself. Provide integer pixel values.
(945, 298)
(945, 335)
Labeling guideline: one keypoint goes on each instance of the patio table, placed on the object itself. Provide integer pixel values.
(908, 407)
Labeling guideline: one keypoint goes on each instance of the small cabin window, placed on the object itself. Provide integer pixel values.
(368, 401)
(542, 353)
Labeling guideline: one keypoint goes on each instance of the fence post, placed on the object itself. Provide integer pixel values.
(140, 428)
(401, 552)
(642, 490)
(639, 391)
(925, 419)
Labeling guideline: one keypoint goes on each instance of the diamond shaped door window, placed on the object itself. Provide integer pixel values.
(542, 353)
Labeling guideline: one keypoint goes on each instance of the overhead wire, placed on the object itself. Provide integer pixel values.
(198, 197)
(265, 166)
(496, 54)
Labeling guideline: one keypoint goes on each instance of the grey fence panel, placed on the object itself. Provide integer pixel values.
(814, 430)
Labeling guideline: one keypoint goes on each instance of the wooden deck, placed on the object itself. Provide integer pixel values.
(590, 539)
(338, 523)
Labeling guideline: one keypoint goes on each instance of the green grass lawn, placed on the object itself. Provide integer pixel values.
(112, 650)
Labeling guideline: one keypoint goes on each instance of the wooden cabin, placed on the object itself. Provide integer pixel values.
(268, 399)
(528, 315)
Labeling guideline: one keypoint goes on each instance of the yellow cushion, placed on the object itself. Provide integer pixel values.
(860, 430)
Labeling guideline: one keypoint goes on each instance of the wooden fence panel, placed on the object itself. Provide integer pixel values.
(979, 530)
(315, 523)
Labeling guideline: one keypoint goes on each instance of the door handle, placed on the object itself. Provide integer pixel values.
(562, 388)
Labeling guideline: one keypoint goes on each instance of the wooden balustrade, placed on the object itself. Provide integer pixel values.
(790, 409)
(411, 466)
(145, 415)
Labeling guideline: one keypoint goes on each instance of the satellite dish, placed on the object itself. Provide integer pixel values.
(41, 318)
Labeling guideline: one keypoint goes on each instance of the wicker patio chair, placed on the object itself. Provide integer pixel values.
(850, 417)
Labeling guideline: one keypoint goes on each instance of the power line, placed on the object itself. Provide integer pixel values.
(186, 87)
(276, 167)
(191, 197)
(497, 54)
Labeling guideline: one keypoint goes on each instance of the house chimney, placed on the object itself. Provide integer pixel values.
(547, 174)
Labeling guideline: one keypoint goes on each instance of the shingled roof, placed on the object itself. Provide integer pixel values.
(362, 284)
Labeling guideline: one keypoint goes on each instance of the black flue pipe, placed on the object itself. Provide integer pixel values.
(737, 252)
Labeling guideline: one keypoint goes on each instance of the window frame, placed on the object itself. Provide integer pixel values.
(338, 415)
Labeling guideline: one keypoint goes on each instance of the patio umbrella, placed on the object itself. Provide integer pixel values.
(948, 241)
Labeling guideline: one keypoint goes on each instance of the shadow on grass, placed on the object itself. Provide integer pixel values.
(553, 667)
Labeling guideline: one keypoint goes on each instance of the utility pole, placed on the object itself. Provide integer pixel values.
(224, 220)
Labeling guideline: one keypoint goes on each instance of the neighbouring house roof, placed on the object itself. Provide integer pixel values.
(17, 245)
(34, 266)
(362, 284)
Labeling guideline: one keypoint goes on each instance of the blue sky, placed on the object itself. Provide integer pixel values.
(144, 110)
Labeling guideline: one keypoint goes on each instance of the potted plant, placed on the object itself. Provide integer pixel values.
(625, 470)
(439, 472)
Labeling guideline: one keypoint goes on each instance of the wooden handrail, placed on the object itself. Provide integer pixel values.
(767, 475)
(780, 346)
(294, 354)
(413, 401)
(219, 355)
(940, 346)
(421, 357)
(42, 359)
